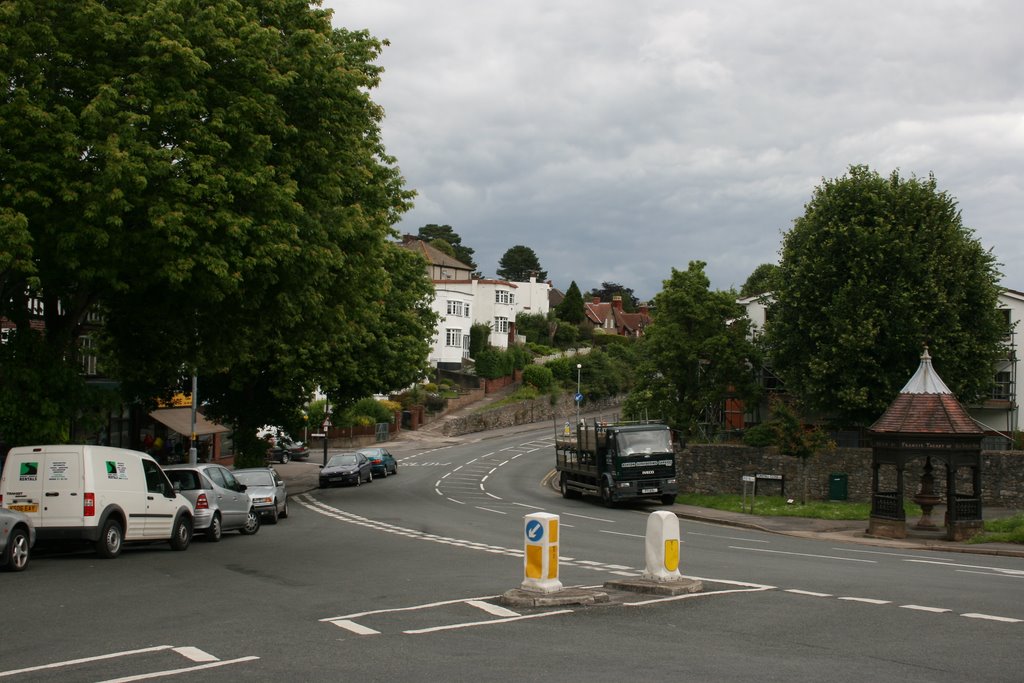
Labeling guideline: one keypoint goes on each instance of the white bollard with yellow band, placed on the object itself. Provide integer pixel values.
(540, 559)
(662, 547)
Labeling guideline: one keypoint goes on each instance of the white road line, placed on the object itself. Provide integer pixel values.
(492, 495)
(868, 601)
(494, 469)
(452, 627)
(619, 533)
(730, 538)
(1005, 576)
(632, 573)
(882, 552)
(490, 510)
(690, 596)
(195, 654)
(496, 610)
(596, 519)
(989, 617)
(810, 593)
(922, 608)
(390, 610)
(352, 626)
(1012, 572)
(454, 501)
(85, 660)
(175, 672)
(531, 507)
(783, 552)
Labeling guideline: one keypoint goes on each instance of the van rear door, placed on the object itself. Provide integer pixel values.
(63, 503)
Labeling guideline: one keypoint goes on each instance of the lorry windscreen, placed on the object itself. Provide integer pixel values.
(638, 443)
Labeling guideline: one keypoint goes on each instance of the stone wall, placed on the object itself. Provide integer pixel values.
(718, 468)
(525, 412)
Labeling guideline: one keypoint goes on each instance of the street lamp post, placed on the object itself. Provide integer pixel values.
(579, 397)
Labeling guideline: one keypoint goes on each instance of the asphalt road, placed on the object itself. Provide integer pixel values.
(398, 580)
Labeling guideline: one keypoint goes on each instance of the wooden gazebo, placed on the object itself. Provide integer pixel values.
(925, 422)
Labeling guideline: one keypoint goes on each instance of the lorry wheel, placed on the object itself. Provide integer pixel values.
(668, 499)
(181, 533)
(109, 544)
(18, 551)
(563, 486)
(606, 495)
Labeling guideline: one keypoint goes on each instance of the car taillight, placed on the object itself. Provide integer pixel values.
(90, 505)
(202, 503)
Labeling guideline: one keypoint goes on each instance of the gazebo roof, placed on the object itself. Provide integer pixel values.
(926, 406)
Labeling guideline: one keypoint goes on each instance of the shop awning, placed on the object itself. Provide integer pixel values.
(180, 420)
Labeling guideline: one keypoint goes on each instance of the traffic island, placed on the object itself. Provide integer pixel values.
(654, 587)
(518, 597)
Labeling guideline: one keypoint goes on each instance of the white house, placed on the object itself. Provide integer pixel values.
(460, 301)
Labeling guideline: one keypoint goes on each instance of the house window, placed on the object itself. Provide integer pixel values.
(85, 354)
(503, 296)
(465, 346)
(501, 325)
(453, 337)
(458, 308)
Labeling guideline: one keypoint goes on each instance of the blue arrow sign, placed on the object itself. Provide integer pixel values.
(579, 397)
(534, 531)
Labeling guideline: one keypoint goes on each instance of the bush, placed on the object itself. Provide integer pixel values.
(435, 403)
(760, 435)
(371, 409)
(539, 377)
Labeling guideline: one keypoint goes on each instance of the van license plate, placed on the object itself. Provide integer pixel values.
(649, 491)
(27, 507)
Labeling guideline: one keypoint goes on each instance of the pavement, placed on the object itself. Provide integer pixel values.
(302, 477)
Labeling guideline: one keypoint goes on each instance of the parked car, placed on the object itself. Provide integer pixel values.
(17, 536)
(346, 468)
(221, 502)
(281, 447)
(381, 461)
(267, 491)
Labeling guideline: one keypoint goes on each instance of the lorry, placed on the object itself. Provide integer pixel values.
(106, 496)
(618, 461)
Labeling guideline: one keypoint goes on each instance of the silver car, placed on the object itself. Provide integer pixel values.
(221, 502)
(17, 536)
(267, 491)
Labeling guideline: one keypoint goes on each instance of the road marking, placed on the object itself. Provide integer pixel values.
(1001, 570)
(86, 660)
(531, 507)
(496, 610)
(453, 500)
(490, 510)
(352, 626)
(690, 596)
(989, 617)
(619, 533)
(596, 519)
(489, 622)
(195, 654)
(810, 593)
(175, 672)
(869, 601)
(730, 538)
(1005, 576)
(783, 552)
(882, 552)
(922, 608)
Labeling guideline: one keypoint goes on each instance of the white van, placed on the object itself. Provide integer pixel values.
(104, 495)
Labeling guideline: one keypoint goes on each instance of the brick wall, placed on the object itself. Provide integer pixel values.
(525, 412)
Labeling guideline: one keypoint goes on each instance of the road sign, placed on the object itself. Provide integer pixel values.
(579, 397)
(534, 531)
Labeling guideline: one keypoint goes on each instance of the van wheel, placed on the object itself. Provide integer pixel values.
(109, 544)
(17, 554)
(215, 530)
(252, 523)
(181, 534)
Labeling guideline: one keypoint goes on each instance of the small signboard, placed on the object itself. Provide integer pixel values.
(318, 435)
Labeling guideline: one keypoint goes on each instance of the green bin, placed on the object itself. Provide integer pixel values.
(837, 486)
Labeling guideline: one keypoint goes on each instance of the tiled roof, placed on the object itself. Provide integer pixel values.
(926, 406)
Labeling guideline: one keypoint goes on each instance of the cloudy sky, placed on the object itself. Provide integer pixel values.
(619, 140)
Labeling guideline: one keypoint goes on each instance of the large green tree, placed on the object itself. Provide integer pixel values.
(446, 233)
(607, 290)
(694, 354)
(519, 264)
(761, 281)
(211, 176)
(874, 268)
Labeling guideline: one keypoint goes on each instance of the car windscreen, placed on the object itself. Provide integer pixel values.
(255, 478)
(339, 460)
(653, 441)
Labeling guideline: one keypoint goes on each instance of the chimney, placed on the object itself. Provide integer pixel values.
(597, 299)
(617, 302)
